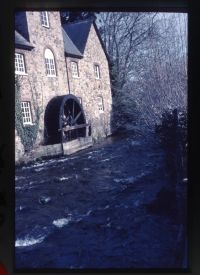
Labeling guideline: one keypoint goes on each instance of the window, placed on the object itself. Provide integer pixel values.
(50, 63)
(19, 64)
(97, 71)
(74, 69)
(26, 112)
(44, 19)
(100, 104)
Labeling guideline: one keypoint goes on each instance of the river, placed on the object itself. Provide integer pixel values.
(89, 210)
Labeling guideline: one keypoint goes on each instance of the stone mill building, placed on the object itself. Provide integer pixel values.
(62, 84)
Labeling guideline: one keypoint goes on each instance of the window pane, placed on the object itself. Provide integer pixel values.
(19, 63)
(50, 63)
(44, 18)
(26, 112)
(74, 69)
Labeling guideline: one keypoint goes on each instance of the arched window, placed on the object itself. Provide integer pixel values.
(49, 63)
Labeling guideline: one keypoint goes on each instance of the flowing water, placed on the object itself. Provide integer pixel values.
(88, 210)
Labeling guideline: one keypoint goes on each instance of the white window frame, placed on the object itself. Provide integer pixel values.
(100, 104)
(26, 112)
(20, 64)
(44, 19)
(97, 71)
(50, 63)
(74, 69)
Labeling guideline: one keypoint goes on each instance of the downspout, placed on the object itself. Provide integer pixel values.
(67, 74)
(62, 146)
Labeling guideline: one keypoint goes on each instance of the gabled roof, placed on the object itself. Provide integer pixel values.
(21, 42)
(101, 41)
(78, 32)
(70, 48)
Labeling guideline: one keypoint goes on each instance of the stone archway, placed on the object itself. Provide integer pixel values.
(64, 119)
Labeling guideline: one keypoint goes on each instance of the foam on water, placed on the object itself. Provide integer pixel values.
(34, 236)
(105, 160)
(103, 208)
(41, 165)
(64, 178)
(132, 179)
(21, 207)
(135, 143)
(39, 169)
(61, 222)
(28, 241)
(22, 187)
(19, 177)
(19, 187)
(124, 180)
(74, 218)
(88, 213)
(95, 151)
(66, 159)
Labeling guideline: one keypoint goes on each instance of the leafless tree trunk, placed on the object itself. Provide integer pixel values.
(149, 56)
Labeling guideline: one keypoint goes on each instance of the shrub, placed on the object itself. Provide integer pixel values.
(173, 136)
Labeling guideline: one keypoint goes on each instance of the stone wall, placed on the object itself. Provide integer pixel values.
(88, 88)
(36, 86)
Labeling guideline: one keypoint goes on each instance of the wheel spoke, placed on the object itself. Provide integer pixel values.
(77, 116)
(73, 111)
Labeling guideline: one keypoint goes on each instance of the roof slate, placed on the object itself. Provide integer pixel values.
(75, 37)
(70, 48)
(20, 41)
(78, 33)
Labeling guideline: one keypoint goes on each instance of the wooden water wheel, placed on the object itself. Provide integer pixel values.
(72, 119)
(64, 119)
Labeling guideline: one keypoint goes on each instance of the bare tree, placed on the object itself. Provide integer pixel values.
(162, 84)
(123, 33)
(148, 53)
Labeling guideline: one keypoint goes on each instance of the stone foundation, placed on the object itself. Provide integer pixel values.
(19, 148)
(68, 148)
(77, 145)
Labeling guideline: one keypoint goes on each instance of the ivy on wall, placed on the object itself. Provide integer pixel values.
(27, 133)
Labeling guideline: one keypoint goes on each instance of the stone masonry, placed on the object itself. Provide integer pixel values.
(88, 88)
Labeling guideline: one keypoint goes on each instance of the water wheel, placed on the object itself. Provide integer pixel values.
(72, 119)
(64, 119)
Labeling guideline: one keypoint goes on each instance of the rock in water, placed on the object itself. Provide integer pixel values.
(44, 199)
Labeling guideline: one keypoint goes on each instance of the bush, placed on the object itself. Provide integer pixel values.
(124, 111)
(173, 136)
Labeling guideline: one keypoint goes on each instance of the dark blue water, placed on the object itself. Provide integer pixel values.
(89, 210)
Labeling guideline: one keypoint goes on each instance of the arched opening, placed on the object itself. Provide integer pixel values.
(50, 63)
(64, 120)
